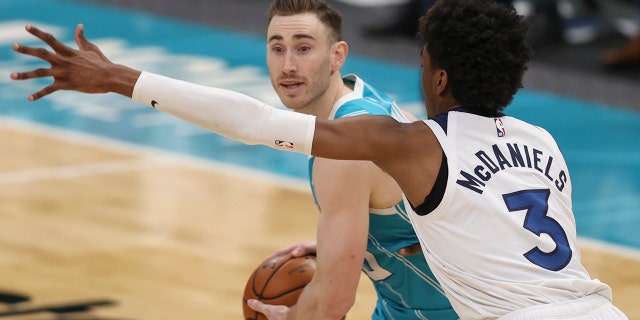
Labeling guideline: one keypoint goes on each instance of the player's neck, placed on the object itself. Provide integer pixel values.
(323, 106)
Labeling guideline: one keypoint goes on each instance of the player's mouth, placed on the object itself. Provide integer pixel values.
(290, 86)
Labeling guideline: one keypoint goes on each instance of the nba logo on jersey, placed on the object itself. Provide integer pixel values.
(284, 144)
(500, 127)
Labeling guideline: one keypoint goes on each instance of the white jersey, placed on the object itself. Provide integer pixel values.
(503, 237)
(507, 183)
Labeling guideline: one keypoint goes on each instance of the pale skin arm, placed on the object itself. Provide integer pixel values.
(343, 189)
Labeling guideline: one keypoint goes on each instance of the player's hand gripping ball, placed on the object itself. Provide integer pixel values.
(278, 281)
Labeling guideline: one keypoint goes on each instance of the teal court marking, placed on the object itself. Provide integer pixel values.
(601, 144)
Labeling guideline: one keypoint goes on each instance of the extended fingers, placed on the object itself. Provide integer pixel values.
(49, 39)
(84, 44)
(37, 73)
(41, 53)
(81, 41)
(45, 91)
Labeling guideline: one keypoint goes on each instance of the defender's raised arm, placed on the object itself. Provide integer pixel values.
(224, 112)
(228, 113)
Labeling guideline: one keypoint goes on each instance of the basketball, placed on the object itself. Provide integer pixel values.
(279, 281)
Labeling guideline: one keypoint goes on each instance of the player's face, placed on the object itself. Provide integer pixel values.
(299, 61)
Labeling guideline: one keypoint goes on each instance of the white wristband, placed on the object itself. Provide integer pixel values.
(227, 113)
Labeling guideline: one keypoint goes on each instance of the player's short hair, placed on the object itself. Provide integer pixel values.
(482, 46)
(326, 14)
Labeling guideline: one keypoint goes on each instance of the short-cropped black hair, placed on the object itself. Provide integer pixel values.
(482, 46)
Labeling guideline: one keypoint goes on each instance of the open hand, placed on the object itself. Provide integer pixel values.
(85, 69)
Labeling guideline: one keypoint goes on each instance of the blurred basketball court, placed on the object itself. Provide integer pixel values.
(102, 197)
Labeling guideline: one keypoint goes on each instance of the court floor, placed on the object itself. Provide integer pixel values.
(101, 197)
(161, 234)
(168, 237)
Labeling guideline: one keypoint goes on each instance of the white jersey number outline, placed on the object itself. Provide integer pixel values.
(374, 270)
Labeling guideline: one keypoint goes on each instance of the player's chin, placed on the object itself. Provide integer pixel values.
(293, 102)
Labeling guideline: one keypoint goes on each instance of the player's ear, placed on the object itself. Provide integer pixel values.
(441, 79)
(340, 50)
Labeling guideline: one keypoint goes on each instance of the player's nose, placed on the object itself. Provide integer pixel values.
(290, 65)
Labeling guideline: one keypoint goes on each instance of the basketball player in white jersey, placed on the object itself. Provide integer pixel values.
(491, 194)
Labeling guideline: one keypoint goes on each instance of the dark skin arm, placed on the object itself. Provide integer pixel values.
(408, 152)
(85, 69)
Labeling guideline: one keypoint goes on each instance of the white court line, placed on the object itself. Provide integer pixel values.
(157, 155)
(162, 157)
(75, 171)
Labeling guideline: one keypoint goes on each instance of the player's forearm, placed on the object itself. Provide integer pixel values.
(315, 304)
(227, 113)
(331, 292)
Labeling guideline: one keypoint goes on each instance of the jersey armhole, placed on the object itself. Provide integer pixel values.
(433, 199)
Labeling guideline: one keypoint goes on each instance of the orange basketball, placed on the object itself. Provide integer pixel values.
(278, 281)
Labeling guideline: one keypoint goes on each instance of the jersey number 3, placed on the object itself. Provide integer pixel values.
(537, 221)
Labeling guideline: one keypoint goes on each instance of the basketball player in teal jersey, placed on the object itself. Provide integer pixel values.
(488, 195)
(360, 206)
(362, 224)
(393, 260)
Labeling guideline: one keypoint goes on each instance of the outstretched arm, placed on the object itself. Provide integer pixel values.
(225, 112)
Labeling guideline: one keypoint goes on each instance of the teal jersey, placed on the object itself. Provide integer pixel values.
(405, 286)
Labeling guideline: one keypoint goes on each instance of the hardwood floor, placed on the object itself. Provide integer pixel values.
(164, 236)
